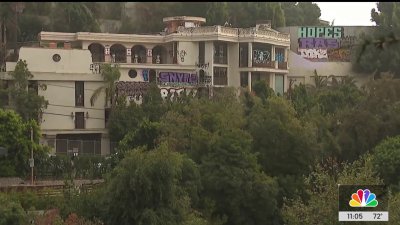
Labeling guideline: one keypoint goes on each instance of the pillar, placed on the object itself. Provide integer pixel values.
(273, 58)
(107, 55)
(285, 83)
(105, 144)
(272, 81)
(250, 53)
(128, 55)
(249, 80)
(149, 55)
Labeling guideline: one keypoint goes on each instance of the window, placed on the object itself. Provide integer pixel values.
(243, 54)
(220, 52)
(79, 93)
(201, 52)
(220, 76)
(4, 100)
(33, 86)
(79, 120)
(279, 84)
(132, 73)
(244, 79)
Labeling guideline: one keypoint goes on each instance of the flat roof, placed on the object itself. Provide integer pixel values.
(186, 18)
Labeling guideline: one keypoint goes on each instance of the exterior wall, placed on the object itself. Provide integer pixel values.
(325, 49)
(233, 62)
(188, 53)
(209, 59)
(72, 60)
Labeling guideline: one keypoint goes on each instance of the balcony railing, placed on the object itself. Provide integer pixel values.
(283, 65)
(269, 64)
(234, 32)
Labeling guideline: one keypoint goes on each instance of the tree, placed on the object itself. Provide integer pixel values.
(301, 13)
(15, 137)
(233, 180)
(24, 96)
(385, 158)
(379, 50)
(11, 212)
(110, 74)
(149, 188)
(322, 188)
(286, 146)
(73, 17)
(217, 13)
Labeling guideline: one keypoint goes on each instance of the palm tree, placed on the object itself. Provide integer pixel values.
(319, 82)
(110, 75)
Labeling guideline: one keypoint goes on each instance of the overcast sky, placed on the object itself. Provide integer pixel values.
(347, 13)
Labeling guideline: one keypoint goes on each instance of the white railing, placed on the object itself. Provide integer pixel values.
(234, 32)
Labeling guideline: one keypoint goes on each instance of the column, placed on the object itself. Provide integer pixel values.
(285, 83)
(286, 56)
(107, 55)
(128, 55)
(149, 55)
(105, 144)
(249, 80)
(272, 81)
(250, 54)
(273, 59)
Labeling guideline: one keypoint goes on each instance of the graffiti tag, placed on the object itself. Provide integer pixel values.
(173, 77)
(314, 53)
(260, 56)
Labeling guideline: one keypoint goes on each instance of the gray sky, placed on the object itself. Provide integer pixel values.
(347, 13)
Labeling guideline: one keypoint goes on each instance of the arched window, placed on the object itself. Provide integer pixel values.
(118, 53)
(97, 51)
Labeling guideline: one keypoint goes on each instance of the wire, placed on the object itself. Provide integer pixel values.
(56, 85)
(78, 107)
(59, 114)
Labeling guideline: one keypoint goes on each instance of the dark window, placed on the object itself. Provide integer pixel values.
(244, 79)
(4, 100)
(220, 52)
(56, 58)
(79, 93)
(33, 86)
(152, 76)
(79, 120)
(132, 73)
(201, 52)
(175, 52)
(106, 115)
(243, 54)
(220, 76)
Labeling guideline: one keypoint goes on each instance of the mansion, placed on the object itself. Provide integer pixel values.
(184, 57)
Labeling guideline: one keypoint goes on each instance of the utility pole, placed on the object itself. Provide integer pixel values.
(32, 163)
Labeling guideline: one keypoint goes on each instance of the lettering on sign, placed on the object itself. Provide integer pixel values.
(314, 53)
(320, 32)
(318, 43)
(325, 43)
(173, 77)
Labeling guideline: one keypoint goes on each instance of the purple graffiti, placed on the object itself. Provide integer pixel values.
(319, 43)
(178, 77)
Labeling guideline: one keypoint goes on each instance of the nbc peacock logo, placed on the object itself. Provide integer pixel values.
(363, 198)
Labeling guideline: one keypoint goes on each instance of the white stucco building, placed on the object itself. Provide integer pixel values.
(185, 56)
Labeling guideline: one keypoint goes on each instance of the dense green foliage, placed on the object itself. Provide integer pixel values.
(25, 98)
(15, 137)
(379, 51)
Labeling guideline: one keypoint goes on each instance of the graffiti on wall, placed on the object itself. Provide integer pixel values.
(168, 78)
(325, 43)
(182, 55)
(202, 66)
(95, 68)
(279, 57)
(261, 56)
(134, 91)
(170, 92)
(145, 74)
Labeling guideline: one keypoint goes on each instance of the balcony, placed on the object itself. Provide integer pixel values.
(283, 65)
(269, 64)
(234, 32)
